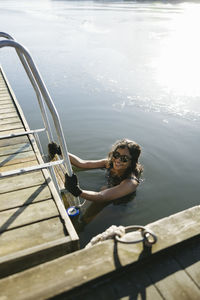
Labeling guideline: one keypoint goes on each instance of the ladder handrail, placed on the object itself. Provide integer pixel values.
(22, 133)
(34, 84)
(6, 36)
(46, 96)
(30, 169)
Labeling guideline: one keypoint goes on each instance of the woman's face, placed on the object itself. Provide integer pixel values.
(121, 159)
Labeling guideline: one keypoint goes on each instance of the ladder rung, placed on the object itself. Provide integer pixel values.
(29, 169)
(21, 133)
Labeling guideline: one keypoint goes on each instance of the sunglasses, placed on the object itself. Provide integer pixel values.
(123, 158)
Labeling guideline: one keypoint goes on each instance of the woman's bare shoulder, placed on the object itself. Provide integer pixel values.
(131, 182)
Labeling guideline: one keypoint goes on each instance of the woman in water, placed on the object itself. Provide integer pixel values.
(123, 171)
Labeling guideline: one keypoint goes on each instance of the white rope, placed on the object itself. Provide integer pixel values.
(110, 233)
(147, 236)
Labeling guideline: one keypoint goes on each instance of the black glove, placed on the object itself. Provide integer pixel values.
(53, 149)
(71, 184)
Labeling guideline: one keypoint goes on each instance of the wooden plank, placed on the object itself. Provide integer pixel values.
(24, 215)
(24, 197)
(14, 141)
(27, 258)
(16, 158)
(143, 285)
(7, 105)
(189, 259)
(10, 126)
(29, 163)
(4, 91)
(9, 120)
(2, 82)
(12, 131)
(4, 98)
(104, 292)
(21, 181)
(3, 86)
(8, 114)
(7, 110)
(180, 227)
(12, 149)
(4, 101)
(29, 236)
(171, 280)
(129, 283)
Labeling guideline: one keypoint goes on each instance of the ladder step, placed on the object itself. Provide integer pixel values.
(12, 135)
(32, 168)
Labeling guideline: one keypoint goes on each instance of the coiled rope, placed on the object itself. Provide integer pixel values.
(119, 233)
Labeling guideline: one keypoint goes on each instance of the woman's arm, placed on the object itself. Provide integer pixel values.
(126, 187)
(87, 164)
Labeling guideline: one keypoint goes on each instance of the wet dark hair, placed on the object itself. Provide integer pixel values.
(135, 151)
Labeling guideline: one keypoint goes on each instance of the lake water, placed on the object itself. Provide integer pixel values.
(118, 69)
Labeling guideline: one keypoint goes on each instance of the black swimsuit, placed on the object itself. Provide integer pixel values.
(113, 180)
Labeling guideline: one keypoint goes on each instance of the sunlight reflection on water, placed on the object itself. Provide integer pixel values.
(153, 67)
(119, 69)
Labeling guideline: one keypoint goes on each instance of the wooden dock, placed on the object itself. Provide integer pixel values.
(34, 226)
(169, 270)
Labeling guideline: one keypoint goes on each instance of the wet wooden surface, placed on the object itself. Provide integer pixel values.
(31, 211)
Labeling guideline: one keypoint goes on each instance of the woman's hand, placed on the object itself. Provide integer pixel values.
(71, 184)
(53, 149)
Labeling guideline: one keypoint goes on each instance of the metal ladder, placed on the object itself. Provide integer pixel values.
(44, 100)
